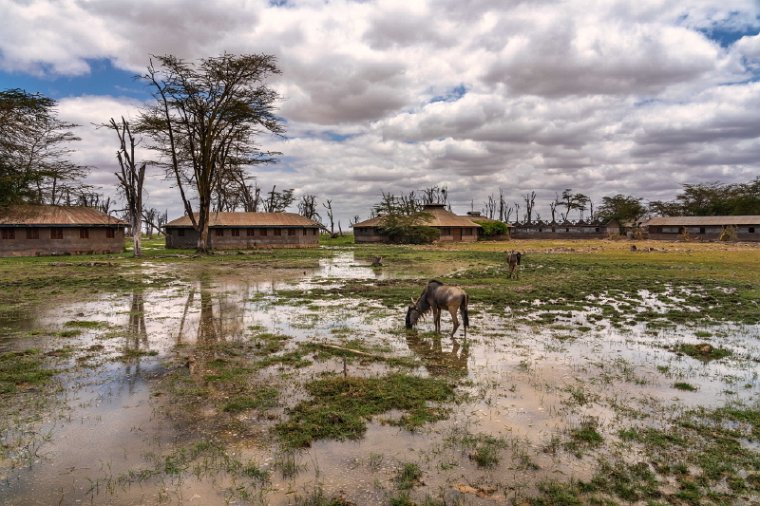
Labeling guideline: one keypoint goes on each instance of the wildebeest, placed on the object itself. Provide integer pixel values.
(513, 262)
(438, 296)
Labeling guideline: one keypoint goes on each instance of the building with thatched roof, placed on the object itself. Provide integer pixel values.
(708, 228)
(246, 231)
(452, 228)
(29, 230)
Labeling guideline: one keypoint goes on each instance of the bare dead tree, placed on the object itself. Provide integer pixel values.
(489, 207)
(307, 207)
(131, 178)
(530, 203)
(553, 207)
(330, 216)
(502, 206)
(278, 201)
(517, 212)
(434, 195)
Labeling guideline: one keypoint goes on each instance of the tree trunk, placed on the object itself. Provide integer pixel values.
(136, 226)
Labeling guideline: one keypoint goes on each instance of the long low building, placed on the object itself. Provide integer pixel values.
(246, 231)
(31, 230)
(453, 228)
(708, 228)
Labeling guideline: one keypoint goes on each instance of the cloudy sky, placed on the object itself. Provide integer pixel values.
(635, 97)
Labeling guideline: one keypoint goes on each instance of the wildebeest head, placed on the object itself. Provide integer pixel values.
(412, 315)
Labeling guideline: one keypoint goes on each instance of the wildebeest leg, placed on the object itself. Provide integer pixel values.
(437, 318)
(453, 310)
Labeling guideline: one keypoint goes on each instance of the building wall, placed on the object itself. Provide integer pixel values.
(559, 232)
(368, 235)
(38, 241)
(372, 235)
(246, 238)
(706, 233)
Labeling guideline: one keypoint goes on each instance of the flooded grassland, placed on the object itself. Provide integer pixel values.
(600, 376)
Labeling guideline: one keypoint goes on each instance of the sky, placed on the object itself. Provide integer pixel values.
(600, 96)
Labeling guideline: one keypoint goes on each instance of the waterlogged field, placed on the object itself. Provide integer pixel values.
(601, 376)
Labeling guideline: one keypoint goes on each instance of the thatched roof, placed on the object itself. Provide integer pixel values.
(249, 220)
(59, 216)
(439, 217)
(699, 221)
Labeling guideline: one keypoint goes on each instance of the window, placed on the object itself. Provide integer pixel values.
(305, 231)
(32, 233)
(277, 231)
(701, 230)
(669, 230)
(445, 231)
(249, 232)
(567, 229)
(751, 230)
(56, 233)
(219, 232)
(235, 232)
(467, 231)
(181, 232)
(263, 232)
(291, 231)
(8, 233)
(110, 233)
(84, 233)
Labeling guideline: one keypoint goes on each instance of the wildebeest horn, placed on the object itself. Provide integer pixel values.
(412, 299)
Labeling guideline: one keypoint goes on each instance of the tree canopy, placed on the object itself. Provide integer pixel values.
(621, 208)
(205, 120)
(33, 149)
(713, 199)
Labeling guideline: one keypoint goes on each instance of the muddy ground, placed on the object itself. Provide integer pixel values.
(601, 376)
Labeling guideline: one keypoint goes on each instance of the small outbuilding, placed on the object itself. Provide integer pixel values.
(708, 228)
(453, 228)
(29, 230)
(239, 230)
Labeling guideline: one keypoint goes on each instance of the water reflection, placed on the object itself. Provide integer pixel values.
(437, 361)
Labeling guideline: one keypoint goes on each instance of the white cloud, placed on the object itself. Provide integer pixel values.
(600, 96)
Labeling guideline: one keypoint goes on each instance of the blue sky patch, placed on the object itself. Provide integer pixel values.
(452, 95)
(731, 30)
(103, 79)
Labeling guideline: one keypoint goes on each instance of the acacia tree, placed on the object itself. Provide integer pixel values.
(621, 208)
(33, 151)
(131, 177)
(205, 119)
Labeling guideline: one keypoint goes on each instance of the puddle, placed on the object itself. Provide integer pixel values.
(526, 382)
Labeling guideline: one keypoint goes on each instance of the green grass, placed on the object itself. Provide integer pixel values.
(339, 407)
(22, 370)
(703, 351)
(260, 399)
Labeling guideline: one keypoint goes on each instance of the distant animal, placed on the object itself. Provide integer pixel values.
(435, 297)
(377, 262)
(513, 262)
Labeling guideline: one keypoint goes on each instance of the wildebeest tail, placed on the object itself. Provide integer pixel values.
(463, 310)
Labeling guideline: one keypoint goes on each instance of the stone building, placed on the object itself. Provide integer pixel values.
(239, 230)
(709, 228)
(30, 230)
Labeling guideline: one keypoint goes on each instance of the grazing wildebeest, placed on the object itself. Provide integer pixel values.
(513, 261)
(438, 296)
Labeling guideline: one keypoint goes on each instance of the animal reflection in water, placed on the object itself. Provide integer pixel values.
(437, 361)
(438, 296)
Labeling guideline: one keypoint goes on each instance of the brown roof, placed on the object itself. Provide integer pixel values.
(439, 217)
(28, 215)
(690, 221)
(249, 220)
